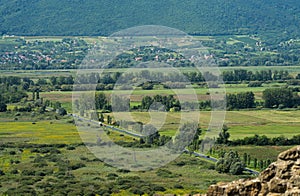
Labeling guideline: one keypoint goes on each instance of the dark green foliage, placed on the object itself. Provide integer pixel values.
(283, 97)
(223, 136)
(262, 140)
(3, 107)
(168, 102)
(256, 78)
(76, 166)
(101, 101)
(196, 17)
(165, 173)
(230, 163)
(123, 170)
(62, 111)
(12, 153)
(178, 186)
(14, 171)
(71, 147)
(241, 100)
(255, 84)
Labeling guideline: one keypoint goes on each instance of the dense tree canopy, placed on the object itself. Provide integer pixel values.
(91, 17)
(280, 97)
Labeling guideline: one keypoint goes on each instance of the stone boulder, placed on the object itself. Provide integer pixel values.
(280, 178)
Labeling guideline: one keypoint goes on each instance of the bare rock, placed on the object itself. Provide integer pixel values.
(280, 178)
(292, 154)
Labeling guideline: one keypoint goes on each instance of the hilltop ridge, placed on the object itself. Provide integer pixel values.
(103, 17)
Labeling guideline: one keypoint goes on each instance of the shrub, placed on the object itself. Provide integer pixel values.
(255, 84)
(71, 148)
(237, 168)
(164, 173)
(178, 186)
(136, 191)
(230, 163)
(28, 173)
(14, 171)
(76, 166)
(159, 188)
(123, 170)
(180, 163)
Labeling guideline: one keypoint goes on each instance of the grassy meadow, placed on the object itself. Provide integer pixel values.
(23, 145)
(66, 162)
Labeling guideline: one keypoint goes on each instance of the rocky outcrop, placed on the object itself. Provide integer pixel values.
(280, 178)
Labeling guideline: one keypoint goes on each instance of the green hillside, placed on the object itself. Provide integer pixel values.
(103, 17)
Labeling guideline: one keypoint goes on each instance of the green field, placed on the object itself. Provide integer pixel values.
(272, 123)
(192, 174)
(25, 137)
(42, 132)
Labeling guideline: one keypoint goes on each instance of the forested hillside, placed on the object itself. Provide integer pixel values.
(103, 17)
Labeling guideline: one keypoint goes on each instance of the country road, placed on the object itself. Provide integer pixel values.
(197, 154)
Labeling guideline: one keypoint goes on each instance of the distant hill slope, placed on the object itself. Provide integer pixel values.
(103, 17)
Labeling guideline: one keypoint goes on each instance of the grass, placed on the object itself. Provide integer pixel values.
(193, 175)
(259, 152)
(42, 132)
(271, 123)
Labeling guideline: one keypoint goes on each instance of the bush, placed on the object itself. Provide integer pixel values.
(123, 170)
(230, 163)
(165, 173)
(180, 163)
(76, 166)
(136, 191)
(28, 173)
(158, 188)
(111, 176)
(237, 168)
(71, 148)
(14, 171)
(178, 186)
(255, 84)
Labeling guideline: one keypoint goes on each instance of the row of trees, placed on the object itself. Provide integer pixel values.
(145, 79)
(239, 75)
(231, 162)
(262, 140)
(273, 98)
(161, 103)
(240, 100)
(280, 98)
